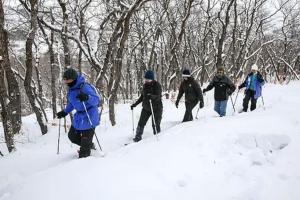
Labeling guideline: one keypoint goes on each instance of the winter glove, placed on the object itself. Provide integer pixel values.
(61, 114)
(204, 90)
(176, 104)
(82, 97)
(201, 104)
(240, 87)
(132, 106)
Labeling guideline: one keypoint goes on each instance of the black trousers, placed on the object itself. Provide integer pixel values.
(82, 138)
(145, 114)
(249, 95)
(188, 115)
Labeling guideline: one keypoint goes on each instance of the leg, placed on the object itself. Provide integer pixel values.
(158, 117)
(188, 116)
(253, 102)
(246, 100)
(74, 136)
(86, 142)
(217, 107)
(223, 106)
(141, 124)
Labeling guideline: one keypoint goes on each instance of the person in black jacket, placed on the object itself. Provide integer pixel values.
(223, 88)
(193, 94)
(151, 93)
(253, 83)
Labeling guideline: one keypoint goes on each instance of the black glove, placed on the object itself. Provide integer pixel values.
(176, 104)
(82, 97)
(201, 104)
(229, 92)
(204, 90)
(61, 114)
(240, 87)
(132, 106)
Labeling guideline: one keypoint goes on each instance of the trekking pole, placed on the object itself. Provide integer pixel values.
(153, 118)
(197, 112)
(1, 153)
(232, 103)
(58, 140)
(91, 125)
(262, 98)
(132, 121)
(236, 96)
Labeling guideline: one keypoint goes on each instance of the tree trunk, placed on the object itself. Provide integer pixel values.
(29, 67)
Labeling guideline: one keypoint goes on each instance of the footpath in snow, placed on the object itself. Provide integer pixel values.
(247, 156)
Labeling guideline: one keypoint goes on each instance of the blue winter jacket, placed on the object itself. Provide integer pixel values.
(81, 121)
(259, 82)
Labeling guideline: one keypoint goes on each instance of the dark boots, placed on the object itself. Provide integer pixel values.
(139, 133)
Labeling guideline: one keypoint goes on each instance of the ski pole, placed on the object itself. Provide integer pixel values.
(132, 121)
(58, 140)
(1, 153)
(91, 125)
(262, 98)
(236, 96)
(153, 118)
(197, 112)
(232, 103)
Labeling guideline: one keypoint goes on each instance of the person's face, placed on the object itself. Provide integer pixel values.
(147, 80)
(254, 71)
(220, 73)
(67, 81)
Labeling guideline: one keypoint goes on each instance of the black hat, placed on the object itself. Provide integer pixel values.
(186, 73)
(70, 74)
(149, 75)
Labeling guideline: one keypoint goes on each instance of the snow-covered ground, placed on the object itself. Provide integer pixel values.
(247, 156)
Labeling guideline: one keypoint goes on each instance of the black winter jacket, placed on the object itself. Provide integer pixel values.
(151, 91)
(223, 87)
(191, 89)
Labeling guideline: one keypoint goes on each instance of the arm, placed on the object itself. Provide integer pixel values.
(94, 98)
(210, 86)
(69, 108)
(180, 92)
(260, 79)
(231, 86)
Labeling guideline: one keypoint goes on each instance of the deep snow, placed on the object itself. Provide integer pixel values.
(247, 156)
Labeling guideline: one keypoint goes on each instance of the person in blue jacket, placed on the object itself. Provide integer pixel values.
(82, 97)
(253, 83)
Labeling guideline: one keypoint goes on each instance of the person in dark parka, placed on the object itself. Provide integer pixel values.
(253, 83)
(193, 95)
(223, 89)
(151, 91)
(83, 126)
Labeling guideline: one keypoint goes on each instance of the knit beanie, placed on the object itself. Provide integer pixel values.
(149, 74)
(186, 73)
(70, 74)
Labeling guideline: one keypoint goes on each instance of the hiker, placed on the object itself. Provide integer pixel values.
(151, 93)
(223, 89)
(253, 83)
(193, 94)
(84, 98)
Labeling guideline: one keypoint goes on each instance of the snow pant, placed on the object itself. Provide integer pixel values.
(188, 115)
(249, 95)
(220, 107)
(83, 138)
(145, 114)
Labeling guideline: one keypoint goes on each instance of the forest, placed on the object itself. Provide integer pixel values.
(113, 42)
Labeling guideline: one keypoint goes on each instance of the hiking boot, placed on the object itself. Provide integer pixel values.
(93, 147)
(137, 138)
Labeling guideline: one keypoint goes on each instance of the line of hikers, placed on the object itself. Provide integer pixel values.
(83, 97)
